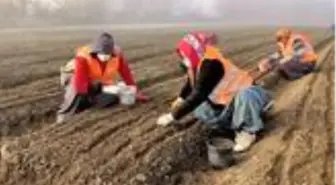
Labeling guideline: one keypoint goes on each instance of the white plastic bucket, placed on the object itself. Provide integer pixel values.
(127, 95)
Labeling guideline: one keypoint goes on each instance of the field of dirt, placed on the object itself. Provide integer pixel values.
(123, 145)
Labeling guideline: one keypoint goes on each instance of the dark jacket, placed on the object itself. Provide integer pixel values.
(209, 75)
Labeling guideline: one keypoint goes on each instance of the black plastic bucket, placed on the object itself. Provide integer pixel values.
(220, 153)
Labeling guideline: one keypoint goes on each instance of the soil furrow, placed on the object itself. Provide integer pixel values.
(53, 97)
(36, 73)
(329, 172)
(128, 142)
(124, 145)
(267, 170)
(298, 134)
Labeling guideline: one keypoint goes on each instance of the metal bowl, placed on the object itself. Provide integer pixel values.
(220, 153)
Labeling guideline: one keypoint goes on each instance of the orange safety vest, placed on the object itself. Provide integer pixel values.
(287, 49)
(233, 80)
(110, 73)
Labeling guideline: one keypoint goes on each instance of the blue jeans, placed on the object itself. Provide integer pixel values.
(244, 112)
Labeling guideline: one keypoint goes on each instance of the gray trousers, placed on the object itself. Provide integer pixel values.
(296, 69)
(244, 113)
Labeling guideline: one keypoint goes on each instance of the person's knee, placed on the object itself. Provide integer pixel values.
(310, 68)
(206, 114)
(254, 96)
(106, 100)
(288, 75)
(243, 95)
(201, 114)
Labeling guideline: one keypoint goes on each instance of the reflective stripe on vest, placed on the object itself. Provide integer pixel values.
(233, 80)
(110, 73)
(308, 55)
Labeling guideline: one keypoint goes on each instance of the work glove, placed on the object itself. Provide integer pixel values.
(176, 103)
(165, 119)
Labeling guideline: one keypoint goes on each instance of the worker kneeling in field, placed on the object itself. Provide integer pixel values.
(94, 69)
(221, 95)
(295, 56)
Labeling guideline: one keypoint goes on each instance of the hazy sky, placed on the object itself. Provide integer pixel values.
(284, 11)
(318, 12)
(267, 11)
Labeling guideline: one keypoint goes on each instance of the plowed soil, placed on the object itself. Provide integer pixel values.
(123, 145)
